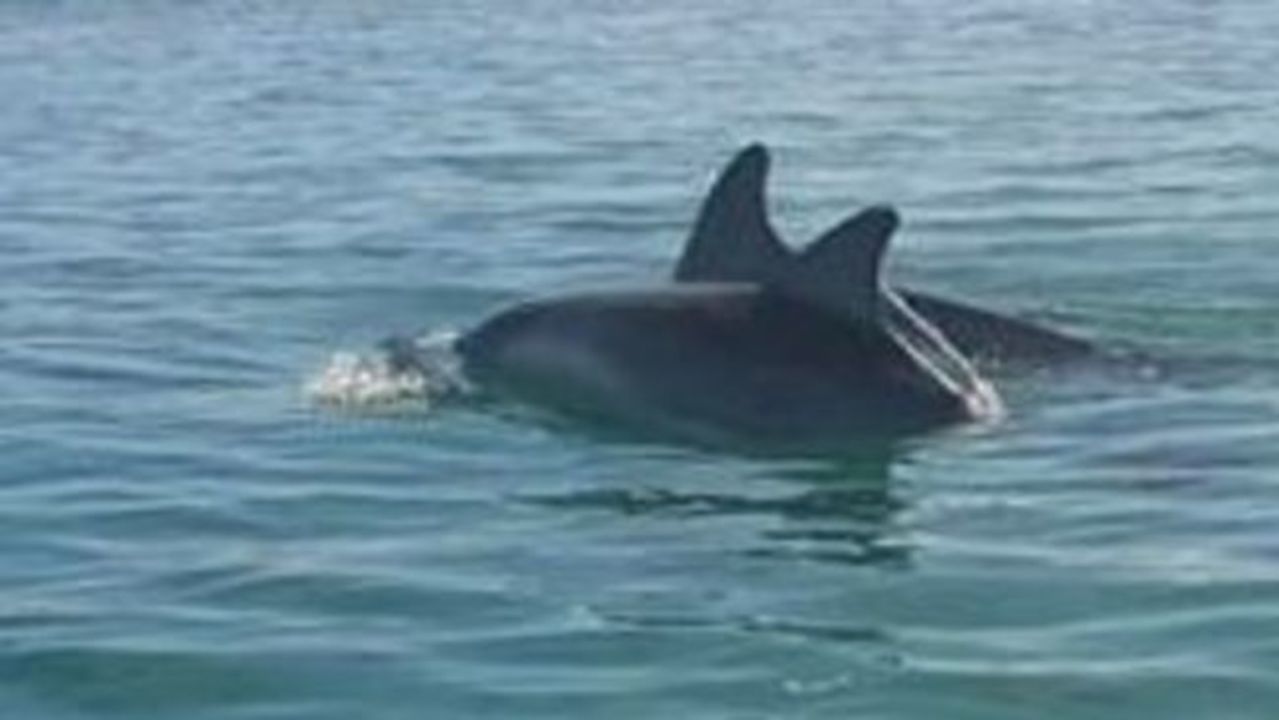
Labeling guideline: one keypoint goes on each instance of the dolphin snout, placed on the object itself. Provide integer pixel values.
(402, 354)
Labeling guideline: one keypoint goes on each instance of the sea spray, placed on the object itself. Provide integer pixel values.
(382, 378)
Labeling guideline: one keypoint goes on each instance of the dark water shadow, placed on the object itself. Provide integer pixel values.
(840, 456)
(841, 511)
(831, 500)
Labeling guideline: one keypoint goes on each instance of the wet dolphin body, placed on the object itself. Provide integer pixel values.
(754, 343)
(733, 239)
(719, 363)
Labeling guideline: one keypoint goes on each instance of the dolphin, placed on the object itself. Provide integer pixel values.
(733, 239)
(753, 344)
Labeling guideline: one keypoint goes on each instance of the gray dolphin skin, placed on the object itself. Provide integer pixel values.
(754, 344)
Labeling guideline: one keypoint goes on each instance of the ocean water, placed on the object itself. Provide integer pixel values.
(205, 205)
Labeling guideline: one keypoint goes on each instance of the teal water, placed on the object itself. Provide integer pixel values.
(201, 203)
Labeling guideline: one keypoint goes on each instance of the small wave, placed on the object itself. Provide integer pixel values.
(401, 371)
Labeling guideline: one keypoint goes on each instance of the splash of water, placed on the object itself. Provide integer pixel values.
(386, 377)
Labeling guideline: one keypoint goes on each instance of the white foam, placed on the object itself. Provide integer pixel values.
(371, 380)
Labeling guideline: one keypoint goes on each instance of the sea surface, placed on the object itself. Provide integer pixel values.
(207, 209)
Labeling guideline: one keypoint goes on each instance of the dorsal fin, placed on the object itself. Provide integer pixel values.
(733, 240)
(840, 271)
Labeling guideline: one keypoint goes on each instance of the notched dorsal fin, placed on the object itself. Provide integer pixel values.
(732, 239)
(840, 271)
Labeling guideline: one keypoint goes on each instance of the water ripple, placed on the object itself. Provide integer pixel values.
(204, 202)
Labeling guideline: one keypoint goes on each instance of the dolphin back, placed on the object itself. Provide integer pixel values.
(840, 272)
